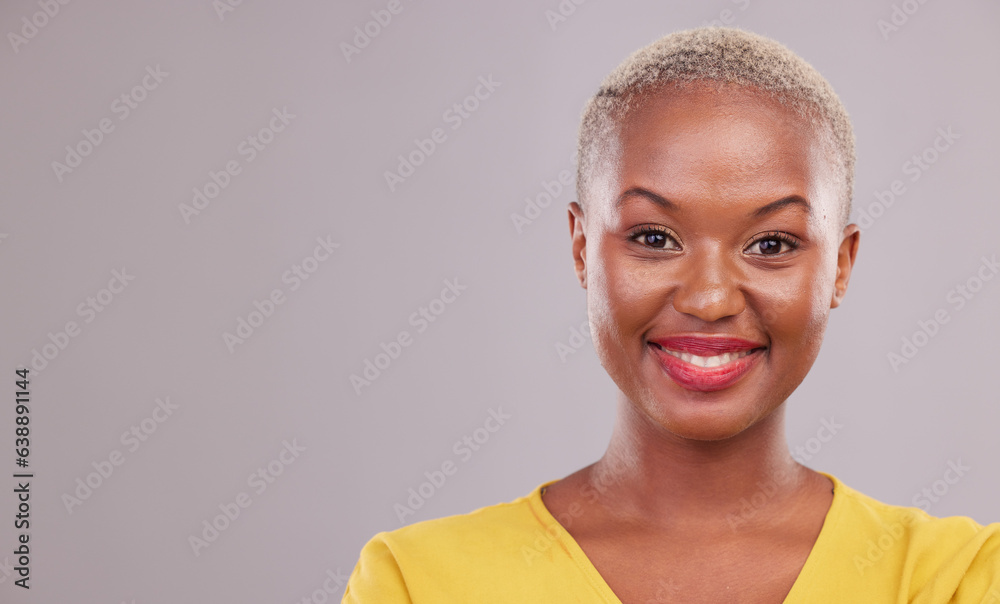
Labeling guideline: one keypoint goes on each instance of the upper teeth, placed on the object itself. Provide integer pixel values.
(715, 361)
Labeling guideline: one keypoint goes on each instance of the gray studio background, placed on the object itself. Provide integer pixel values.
(279, 410)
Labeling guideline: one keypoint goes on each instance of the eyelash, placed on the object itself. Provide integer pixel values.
(643, 230)
(790, 241)
(649, 229)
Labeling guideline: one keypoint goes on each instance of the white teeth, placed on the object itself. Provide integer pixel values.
(715, 361)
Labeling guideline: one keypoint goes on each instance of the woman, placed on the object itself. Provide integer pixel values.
(712, 238)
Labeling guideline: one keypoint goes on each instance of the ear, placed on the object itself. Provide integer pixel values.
(577, 233)
(845, 262)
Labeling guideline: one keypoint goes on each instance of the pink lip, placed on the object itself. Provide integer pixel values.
(706, 379)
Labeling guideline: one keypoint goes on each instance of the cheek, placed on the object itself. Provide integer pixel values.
(622, 300)
(795, 309)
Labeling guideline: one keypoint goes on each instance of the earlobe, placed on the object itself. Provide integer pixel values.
(845, 262)
(579, 239)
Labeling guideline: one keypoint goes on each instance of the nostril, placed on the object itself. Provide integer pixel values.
(709, 303)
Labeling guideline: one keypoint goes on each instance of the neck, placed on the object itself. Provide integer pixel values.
(655, 476)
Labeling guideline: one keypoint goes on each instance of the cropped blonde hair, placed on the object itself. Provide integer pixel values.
(722, 55)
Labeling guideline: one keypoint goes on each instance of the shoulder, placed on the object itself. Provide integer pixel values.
(953, 556)
(894, 522)
(445, 553)
(493, 524)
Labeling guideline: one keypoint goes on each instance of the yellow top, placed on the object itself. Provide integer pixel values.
(866, 552)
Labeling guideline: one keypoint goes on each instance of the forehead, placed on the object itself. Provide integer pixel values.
(720, 141)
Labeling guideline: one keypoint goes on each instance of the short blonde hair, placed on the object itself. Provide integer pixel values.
(723, 55)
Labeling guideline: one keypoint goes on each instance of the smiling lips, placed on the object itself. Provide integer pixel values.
(706, 364)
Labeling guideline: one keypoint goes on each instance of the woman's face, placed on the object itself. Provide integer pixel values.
(712, 253)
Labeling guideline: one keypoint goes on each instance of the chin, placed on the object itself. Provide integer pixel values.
(703, 424)
(701, 416)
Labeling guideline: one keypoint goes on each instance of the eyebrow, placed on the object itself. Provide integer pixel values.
(774, 206)
(659, 200)
(663, 202)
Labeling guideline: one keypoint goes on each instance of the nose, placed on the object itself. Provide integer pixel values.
(709, 286)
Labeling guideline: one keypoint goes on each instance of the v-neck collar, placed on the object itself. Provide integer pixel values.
(809, 574)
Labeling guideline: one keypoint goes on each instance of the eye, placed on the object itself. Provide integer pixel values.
(654, 236)
(774, 243)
